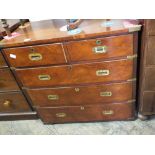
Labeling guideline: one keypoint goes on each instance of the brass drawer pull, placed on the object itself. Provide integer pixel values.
(102, 72)
(7, 103)
(35, 56)
(107, 112)
(106, 93)
(44, 77)
(100, 49)
(53, 97)
(60, 115)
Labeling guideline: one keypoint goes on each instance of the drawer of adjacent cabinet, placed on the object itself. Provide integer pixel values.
(150, 51)
(148, 102)
(13, 102)
(76, 74)
(150, 25)
(115, 111)
(7, 81)
(149, 79)
(2, 61)
(35, 55)
(82, 95)
(101, 48)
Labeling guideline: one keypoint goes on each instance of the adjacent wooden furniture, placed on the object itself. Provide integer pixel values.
(12, 101)
(90, 76)
(147, 70)
(13, 25)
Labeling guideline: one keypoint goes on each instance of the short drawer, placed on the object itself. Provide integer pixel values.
(35, 55)
(76, 74)
(2, 61)
(101, 48)
(115, 111)
(7, 81)
(148, 102)
(13, 102)
(82, 95)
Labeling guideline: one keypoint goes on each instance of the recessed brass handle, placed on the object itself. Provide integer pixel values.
(102, 72)
(53, 97)
(61, 115)
(100, 49)
(35, 56)
(7, 103)
(106, 93)
(107, 112)
(44, 77)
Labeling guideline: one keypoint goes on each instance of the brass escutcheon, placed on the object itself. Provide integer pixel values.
(77, 89)
(82, 108)
(98, 42)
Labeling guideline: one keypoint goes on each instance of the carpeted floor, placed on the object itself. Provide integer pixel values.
(36, 127)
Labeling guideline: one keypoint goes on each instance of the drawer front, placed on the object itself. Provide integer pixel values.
(76, 74)
(150, 54)
(101, 48)
(2, 61)
(115, 111)
(82, 95)
(7, 81)
(148, 103)
(13, 102)
(35, 55)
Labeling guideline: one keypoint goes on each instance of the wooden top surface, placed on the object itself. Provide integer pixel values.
(48, 31)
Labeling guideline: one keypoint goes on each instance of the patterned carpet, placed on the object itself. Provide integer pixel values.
(36, 127)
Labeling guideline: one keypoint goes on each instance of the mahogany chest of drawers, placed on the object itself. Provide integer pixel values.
(147, 70)
(90, 76)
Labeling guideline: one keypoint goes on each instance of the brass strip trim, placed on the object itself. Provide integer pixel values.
(135, 28)
(132, 56)
(130, 80)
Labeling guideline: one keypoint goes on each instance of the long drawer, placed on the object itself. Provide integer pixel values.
(115, 111)
(35, 55)
(76, 74)
(82, 95)
(100, 48)
(2, 61)
(7, 81)
(13, 102)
